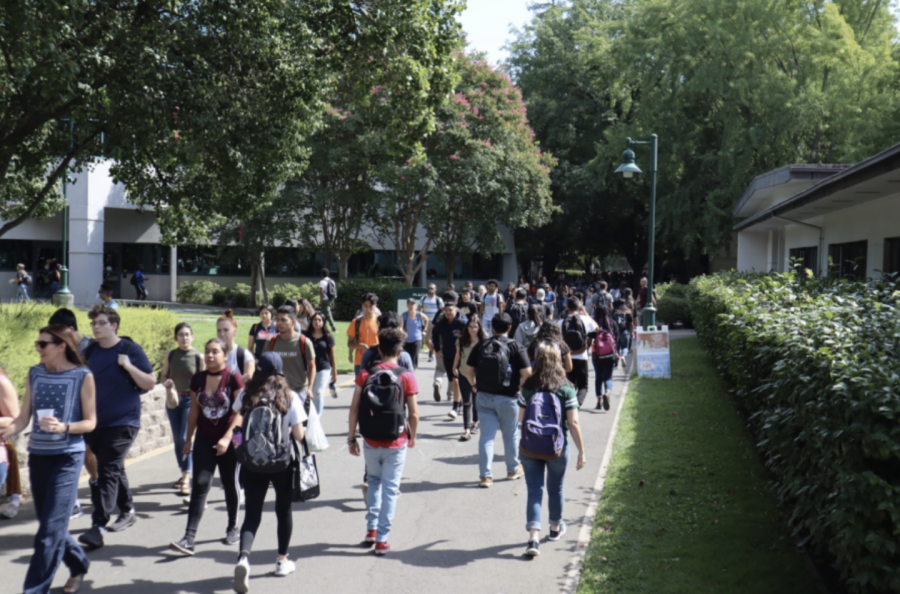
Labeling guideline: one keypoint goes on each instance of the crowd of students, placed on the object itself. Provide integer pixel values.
(516, 364)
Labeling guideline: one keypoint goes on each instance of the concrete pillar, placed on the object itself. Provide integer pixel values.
(173, 273)
(86, 233)
(423, 275)
(510, 268)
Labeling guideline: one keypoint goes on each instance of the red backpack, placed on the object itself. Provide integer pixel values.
(604, 346)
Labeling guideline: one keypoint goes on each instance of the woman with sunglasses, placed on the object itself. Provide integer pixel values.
(59, 405)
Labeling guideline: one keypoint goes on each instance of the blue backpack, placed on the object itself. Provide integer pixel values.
(542, 431)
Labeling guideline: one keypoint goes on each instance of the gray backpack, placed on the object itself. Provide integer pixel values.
(266, 446)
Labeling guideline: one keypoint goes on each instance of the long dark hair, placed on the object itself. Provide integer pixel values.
(309, 329)
(271, 386)
(548, 332)
(65, 335)
(535, 314)
(601, 316)
(466, 338)
(547, 373)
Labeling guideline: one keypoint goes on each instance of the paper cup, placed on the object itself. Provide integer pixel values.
(45, 412)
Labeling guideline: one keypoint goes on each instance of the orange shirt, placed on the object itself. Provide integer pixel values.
(368, 330)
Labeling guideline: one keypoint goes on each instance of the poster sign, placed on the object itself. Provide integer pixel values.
(402, 295)
(652, 349)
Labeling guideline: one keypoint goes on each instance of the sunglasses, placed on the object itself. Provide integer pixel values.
(42, 344)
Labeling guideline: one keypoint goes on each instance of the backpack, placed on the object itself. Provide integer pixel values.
(26, 279)
(574, 333)
(266, 446)
(272, 346)
(519, 313)
(331, 290)
(621, 321)
(604, 346)
(126, 343)
(382, 416)
(542, 431)
(134, 279)
(492, 365)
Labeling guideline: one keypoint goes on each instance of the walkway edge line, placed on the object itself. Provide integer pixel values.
(576, 564)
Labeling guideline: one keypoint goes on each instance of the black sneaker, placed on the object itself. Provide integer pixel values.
(532, 549)
(123, 521)
(557, 534)
(606, 402)
(437, 393)
(93, 538)
(599, 403)
(232, 536)
(185, 546)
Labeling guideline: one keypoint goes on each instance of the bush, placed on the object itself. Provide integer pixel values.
(201, 292)
(281, 293)
(350, 292)
(153, 329)
(814, 364)
(236, 296)
(673, 304)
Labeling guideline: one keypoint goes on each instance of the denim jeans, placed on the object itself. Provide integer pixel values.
(534, 480)
(319, 388)
(603, 372)
(624, 343)
(54, 486)
(22, 293)
(497, 412)
(178, 420)
(4, 468)
(384, 467)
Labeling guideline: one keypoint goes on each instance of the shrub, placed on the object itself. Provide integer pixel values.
(281, 293)
(201, 292)
(673, 304)
(350, 292)
(153, 329)
(236, 296)
(814, 364)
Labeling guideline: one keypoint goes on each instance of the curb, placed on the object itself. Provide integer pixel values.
(576, 564)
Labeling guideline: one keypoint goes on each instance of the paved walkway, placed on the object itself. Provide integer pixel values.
(448, 534)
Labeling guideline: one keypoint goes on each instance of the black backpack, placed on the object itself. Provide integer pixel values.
(621, 321)
(266, 445)
(492, 365)
(519, 313)
(574, 333)
(382, 415)
(134, 280)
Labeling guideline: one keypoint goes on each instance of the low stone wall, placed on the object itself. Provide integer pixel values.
(155, 433)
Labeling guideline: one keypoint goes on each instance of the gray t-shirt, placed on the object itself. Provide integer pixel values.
(294, 369)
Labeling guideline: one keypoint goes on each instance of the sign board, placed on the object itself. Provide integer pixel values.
(402, 295)
(652, 349)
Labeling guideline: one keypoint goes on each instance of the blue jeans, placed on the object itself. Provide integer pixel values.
(497, 412)
(319, 388)
(603, 372)
(534, 480)
(624, 343)
(54, 486)
(178, 420)
(384, 467)
(22, 293)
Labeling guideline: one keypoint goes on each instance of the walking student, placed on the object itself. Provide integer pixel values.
(624, 322)
(267, 401)
(491, 304)
(603, 355)
(547, 402)
(121, 372)
(262, 333)
(576, 328)
(495, 369)
(297, 353)
(105, 295)
(467, 306)
(327, 296)
(9, 412)
(209, 442)
(326, 366)
(416, 325)
(22, 282)
(388, 418)
(137, 279)
(372, 356)
(447, 331)
(179, 367)
(432, 306)
(363, 330)
(465, 344)
(528, 330)
(60, 407)
(237, 358)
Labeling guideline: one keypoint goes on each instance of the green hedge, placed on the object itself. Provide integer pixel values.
(350, 292)
(815, 366)
(281, 293)
(153, 329)
(673, 304)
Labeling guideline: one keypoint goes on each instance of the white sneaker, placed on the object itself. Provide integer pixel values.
(283, 568)
(11, 510)
(452, 414)
(242, 576)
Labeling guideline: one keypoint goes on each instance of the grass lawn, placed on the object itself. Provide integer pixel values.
(685, 507)
(205, 328)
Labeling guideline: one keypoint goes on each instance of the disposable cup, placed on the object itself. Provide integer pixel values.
(45, 412)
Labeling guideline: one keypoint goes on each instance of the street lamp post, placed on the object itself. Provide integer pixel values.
(628, 169)
(63, 297)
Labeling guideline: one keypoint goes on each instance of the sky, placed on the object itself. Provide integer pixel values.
(486, 23)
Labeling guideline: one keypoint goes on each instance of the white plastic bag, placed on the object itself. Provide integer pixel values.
(315, 433)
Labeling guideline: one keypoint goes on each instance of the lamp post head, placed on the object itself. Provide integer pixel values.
(628, 168)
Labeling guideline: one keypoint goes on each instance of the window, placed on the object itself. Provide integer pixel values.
(15, 251)
(891, 255)
(288, 261)
(210, 260)
(805, 257)
(848, 260)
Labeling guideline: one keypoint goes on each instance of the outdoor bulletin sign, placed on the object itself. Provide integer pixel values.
(653, 353)
(402, 295)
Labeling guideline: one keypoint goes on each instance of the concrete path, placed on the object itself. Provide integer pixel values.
(449, 535)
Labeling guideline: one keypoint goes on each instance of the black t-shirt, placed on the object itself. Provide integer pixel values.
(517, 358)
(468, 309)
(323, 346)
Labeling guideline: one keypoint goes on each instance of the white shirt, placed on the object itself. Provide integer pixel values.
(323, 284)
(296, 414)
(491, 306)
(430, 306)
(589, 326)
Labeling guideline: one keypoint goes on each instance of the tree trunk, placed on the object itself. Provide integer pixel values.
(261, 275)
(342, 259)
(253, 270)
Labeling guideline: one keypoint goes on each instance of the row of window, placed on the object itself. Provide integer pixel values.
(848, 260)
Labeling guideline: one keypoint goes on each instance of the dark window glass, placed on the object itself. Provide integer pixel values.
(806, 257)
(848, 260)
(891, 255)
(14, 252)
(210, 260)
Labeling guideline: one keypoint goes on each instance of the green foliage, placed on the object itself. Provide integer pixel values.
(350, 292)
(309, 291)
(153, 329)
(200, 292)
(236, 296)
(685, 506)
(814, 365)
(673, 304)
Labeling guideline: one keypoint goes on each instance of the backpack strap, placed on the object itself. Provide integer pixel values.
(241, 356)
(272, 343)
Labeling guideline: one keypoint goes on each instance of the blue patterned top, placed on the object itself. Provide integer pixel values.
(60, 391)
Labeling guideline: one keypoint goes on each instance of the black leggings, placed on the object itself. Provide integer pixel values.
(413, 348)
(255, 487)
(205, 462)
(470, 413)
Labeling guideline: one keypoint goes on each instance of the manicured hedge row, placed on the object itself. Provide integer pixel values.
(674, 304)
(815, 366)
(153, 329)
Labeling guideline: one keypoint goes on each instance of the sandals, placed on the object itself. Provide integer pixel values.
(465, 436)
(185, 489)
(73, 584)
(474, 430)
(178, 484)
